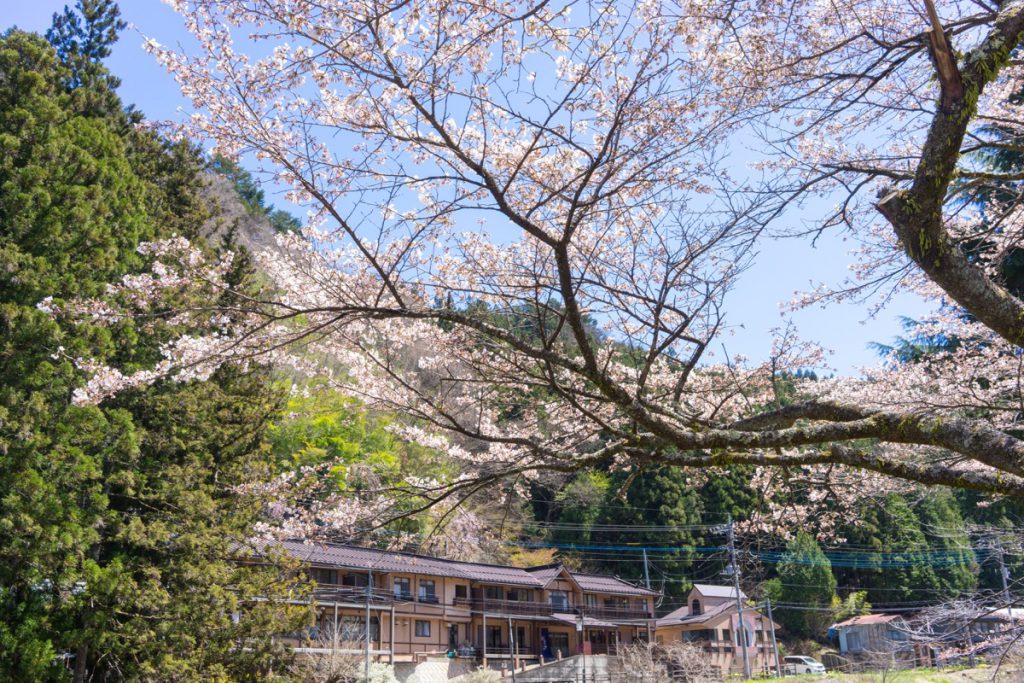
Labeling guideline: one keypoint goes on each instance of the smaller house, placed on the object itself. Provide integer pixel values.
(957, 636)
(996, 621)
(710, 619)
(877, 639)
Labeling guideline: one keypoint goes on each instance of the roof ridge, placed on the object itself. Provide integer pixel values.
(404, 553)
(346, 554)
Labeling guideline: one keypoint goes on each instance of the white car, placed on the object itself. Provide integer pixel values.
(799, 664)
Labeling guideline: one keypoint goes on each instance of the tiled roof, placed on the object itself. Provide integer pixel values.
(599, 583)
(546, 572)
(406, 563)
(712, 591)
(675, 615)
(354, 557)
(867, 620)
(682, 615)
(596, 583)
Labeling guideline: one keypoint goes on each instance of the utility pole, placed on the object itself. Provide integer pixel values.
(583, 646)
(741, 638)
(775, 645)
(647, 574)
(1004, 574)
(512, 658)
(369, 588)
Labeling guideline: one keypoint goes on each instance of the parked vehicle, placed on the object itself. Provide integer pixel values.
(799, 664)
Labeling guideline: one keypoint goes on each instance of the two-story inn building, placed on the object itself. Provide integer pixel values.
(420, 606)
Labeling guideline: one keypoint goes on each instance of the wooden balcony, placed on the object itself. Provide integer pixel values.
(358, 595)
(325, 592)
(617, 613)
(545, 609)
(510, 607)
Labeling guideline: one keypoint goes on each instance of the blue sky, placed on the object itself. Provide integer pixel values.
(752, 308)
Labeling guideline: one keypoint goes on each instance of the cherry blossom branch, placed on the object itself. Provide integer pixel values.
(916, 214)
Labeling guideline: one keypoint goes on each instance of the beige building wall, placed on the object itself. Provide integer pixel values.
(399, 633)
(723, 649)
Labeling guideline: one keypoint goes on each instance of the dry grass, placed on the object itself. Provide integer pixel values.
(1006, 674)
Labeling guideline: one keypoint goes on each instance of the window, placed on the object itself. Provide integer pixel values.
(461, 592)
(519, 595)
(353, 628)
(521, 637)
(695, 608)
(323, 577)
(492, 592)
(403, 590)
(427, 593)
(590, 600)
(559, 642)
(422, 629)
(560, 599)
(354, 580)
(726, 635)
(493, 636)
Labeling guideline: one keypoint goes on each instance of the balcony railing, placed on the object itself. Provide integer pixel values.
(325, 592)
(716, 645)
(504, 606)
(617, 612)
(480, 604)
(358, 594)
(601, 648)
(528, 651)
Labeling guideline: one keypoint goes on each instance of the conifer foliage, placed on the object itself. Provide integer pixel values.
(116, 521)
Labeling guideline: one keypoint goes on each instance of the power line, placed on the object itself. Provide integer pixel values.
(851, 560)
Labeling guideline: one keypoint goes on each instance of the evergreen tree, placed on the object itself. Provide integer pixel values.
(83, 38)
(1005, 514)
(656, 497)
(116, 521)
(945, 532)
(582, 503)
(728, 494)
(892, 562)
(805, 588)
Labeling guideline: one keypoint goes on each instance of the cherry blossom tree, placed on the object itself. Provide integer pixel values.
(524, 218)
